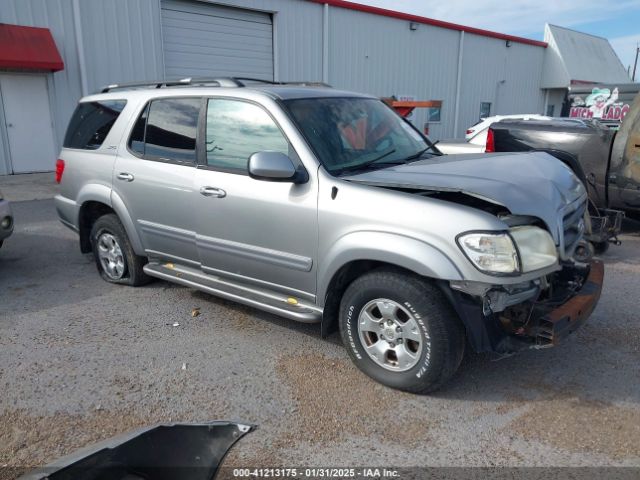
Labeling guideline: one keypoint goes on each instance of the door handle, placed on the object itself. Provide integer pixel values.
(213, 192)
(125, 176)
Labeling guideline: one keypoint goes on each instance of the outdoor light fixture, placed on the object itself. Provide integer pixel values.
(413, 26)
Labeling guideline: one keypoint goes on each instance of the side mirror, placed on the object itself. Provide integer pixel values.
(275, 167)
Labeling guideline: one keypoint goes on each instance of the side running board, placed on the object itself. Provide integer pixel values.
(267, 300)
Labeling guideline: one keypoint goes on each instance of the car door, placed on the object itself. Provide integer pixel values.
(154, 177)
(624, 170)
(250, 230)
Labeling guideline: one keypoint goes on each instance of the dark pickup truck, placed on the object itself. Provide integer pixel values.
(607, 161)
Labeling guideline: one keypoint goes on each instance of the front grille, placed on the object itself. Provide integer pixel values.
(572, 228)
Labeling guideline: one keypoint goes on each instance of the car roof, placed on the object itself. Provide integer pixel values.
(286, 92)
(274, 91)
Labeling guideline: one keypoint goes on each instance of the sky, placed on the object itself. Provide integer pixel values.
(616, 20)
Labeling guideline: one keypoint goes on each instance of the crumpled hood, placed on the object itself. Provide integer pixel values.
(533, 183)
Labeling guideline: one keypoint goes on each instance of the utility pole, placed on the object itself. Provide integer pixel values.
(635, 63)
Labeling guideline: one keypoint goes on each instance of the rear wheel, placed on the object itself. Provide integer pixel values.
(400, 330)
(114, 256)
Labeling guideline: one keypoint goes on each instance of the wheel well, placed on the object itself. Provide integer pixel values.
(339, 283)
(89, 213)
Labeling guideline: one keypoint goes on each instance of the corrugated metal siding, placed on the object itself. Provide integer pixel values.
(202, 39)
(556, 98)
(586, 57)
(57, 16)
(508, 77)
(383, 57)
(122, 41)
(521, 90)
(554, 71)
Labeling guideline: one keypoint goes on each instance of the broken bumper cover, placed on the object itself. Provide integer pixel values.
(177, 450)
(556, 325)
(548, 322)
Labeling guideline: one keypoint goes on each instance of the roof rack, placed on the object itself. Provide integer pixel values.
(209, 81)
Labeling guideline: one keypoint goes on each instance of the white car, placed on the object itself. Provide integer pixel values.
(457, 146)
(477, 134)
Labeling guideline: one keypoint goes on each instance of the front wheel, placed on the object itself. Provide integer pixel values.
(400, 330)
(601, 247)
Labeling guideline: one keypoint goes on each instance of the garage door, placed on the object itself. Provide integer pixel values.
(202, 40)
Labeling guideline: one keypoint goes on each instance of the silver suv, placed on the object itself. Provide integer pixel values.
(325, 206)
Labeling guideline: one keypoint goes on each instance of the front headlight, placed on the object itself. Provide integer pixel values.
(497, 254)
(536, 247)
(492, 253)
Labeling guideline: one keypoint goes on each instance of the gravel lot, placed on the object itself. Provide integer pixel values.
(82, 360)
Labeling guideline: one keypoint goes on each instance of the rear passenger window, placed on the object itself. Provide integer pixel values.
(91, 123)
(166, 130)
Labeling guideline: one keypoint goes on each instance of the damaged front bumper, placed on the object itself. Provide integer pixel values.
(538, 315)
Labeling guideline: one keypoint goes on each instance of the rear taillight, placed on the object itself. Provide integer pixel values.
(59, 170)
(469, 132)
(490, 145)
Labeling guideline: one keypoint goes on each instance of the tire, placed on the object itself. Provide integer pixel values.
(601, 247)
(123, 266)
(584, 252)
(423, 321)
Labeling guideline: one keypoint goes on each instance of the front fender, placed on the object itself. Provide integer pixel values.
(402, 251)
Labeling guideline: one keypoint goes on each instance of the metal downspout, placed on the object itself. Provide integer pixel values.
(77, 25)
(325, 43)
(458, 85)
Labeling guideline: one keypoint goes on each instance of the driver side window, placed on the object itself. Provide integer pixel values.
(235, 130)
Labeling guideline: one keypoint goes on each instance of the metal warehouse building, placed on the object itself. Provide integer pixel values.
(81, 45)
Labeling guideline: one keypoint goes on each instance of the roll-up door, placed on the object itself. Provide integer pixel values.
(201, 39)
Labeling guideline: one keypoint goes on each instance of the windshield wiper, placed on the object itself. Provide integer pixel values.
(376, 161)
(423, 151)
(368, 163)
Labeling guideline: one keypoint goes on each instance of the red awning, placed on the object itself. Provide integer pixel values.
(28, 48)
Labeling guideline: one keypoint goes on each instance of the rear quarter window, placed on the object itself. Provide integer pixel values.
(91, 123)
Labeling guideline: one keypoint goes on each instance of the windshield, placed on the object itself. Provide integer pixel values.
(352, 133)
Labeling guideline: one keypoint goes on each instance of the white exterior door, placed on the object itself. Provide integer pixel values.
(28, 121)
